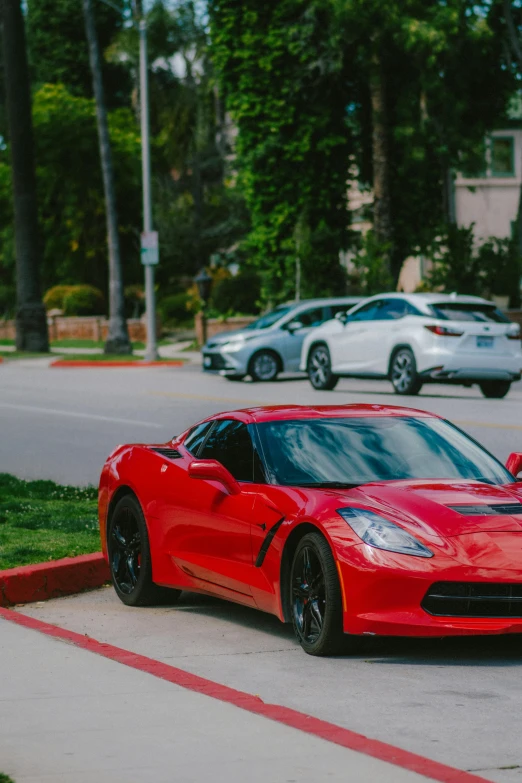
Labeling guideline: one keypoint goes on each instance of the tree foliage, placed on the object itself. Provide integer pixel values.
(281, 69)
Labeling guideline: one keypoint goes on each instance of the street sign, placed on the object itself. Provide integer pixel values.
(149, 248)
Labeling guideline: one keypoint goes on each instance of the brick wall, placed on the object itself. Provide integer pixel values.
(76, 328)
(216, 325)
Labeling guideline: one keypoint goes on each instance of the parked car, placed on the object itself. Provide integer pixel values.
(271, 344)
(413, 339)
(344, 520)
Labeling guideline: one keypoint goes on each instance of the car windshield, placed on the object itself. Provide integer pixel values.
(354, 451)
(270, 318)
(454, 311)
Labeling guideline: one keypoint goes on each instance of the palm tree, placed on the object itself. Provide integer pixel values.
(118, 336)
(31, 322)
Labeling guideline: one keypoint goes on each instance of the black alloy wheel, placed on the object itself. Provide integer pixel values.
(316, 598)
(129, 557)
(264, 366)
(403, 372)
(495, 390)
(319, 368)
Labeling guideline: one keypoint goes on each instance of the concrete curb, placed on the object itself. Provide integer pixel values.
(55, 578)
(87, 363)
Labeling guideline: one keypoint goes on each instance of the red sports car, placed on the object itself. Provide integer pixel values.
(349, 520)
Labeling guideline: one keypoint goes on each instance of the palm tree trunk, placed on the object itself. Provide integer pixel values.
(382, 221)
(118, 337)
(31, 322)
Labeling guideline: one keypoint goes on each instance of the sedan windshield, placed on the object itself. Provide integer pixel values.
(270, 318)
(352, 451)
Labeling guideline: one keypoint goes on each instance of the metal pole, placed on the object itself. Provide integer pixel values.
(151, 351)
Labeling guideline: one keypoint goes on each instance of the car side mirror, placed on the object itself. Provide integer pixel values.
(342, 317)
(514, 463)
(293, 326)
(212, 470)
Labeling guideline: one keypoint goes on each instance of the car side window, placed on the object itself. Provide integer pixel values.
(367, 313)
(392, 309)
(196, 437)
(230, 443)
(309, 318)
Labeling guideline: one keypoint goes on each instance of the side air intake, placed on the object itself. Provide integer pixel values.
(495, 509)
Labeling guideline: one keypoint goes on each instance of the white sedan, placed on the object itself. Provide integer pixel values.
(413, 339)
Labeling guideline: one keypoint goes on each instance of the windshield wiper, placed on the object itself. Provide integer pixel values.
(327, 485)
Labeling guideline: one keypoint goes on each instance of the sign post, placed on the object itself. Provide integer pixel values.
(149, 238)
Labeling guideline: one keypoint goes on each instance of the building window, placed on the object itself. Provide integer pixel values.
(502, 156)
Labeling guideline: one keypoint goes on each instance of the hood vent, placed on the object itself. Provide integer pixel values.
(493, 509)
(174, 454)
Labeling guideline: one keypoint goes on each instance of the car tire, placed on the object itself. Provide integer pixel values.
(316, 599)
(234, 377)
(495, 390)
(264, 366)
(403, 372)
(319, 369)
(130, 560)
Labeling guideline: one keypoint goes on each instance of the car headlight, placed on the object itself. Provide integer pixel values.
(380, 533)
(233, 346)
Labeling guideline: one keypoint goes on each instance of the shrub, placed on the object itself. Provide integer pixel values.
(7, 301)
(84, 300)
(134, 301)
(238, 294)
(173, 308)
(54, 297)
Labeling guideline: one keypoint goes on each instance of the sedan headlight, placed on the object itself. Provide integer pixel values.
(380, 533)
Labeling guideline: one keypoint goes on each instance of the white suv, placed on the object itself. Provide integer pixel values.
(413, 339)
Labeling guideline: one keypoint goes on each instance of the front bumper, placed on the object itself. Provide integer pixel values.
(385, 600)
(222, 363)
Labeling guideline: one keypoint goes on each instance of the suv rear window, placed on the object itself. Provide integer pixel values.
(455, 311)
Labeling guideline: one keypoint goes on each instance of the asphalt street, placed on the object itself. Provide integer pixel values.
(62, 423)
(457, 702)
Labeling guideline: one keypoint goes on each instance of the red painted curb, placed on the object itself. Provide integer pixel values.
(50, 580)
(87, 363)
(245, 701)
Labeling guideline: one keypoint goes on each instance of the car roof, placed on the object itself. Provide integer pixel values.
(325, 301)
(433, 297)
(292, 412)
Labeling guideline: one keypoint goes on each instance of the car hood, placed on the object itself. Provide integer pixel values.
(443, 508)
(225, 337)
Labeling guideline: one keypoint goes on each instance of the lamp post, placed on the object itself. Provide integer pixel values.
(204, 284)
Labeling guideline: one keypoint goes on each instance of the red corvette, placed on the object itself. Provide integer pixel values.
(349, 520)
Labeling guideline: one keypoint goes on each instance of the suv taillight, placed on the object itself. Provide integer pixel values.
(514, 334)
(444, 331)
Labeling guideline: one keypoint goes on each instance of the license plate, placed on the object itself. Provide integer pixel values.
(207, 361)
(485, 342)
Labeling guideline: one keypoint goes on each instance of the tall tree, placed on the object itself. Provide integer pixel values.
(31, 322)
(118, 336)
(281, 72)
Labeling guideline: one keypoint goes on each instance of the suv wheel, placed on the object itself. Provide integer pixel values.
(403, 372)
(264, 366)
(495, 390)
(319, 369)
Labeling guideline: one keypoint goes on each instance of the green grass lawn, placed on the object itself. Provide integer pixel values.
(41, 520)
(88, 344)
(105, 357)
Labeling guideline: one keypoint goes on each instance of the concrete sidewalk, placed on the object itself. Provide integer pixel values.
(69, 716)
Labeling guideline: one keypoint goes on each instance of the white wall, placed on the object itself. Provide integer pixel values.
(490, 202)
